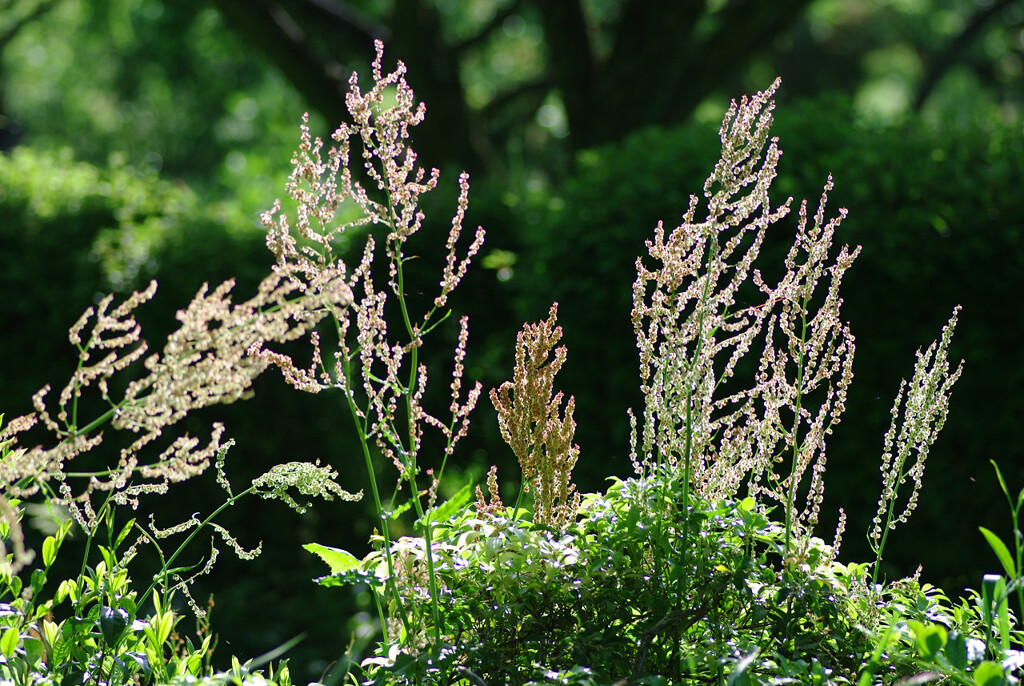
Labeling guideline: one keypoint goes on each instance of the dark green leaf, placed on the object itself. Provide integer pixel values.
(112, 625)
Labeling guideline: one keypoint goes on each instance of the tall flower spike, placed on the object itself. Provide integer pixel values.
(924, 414)
(695, 320)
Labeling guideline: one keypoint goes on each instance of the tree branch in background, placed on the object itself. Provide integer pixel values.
(638, 64)
(285, 42)
(941, 61)
(8, 32)
(496, 22)
(645, 79)
(571, 65)
(10, 131)
(739, 32)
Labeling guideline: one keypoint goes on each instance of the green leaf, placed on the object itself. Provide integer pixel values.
(38, 579)
(127, 529)
(1001, 551)
(337, 559)
(930, 639)
(989, 674)
(739, 677)
(112, 624)
(999, 476)
(450, 508)
(49, 551)
(956, 650)
(393, 515)
(9, 642)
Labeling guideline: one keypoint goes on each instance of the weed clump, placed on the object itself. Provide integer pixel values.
(704, 566)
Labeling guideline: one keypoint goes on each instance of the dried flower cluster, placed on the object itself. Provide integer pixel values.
(529, 419)
(695, 321)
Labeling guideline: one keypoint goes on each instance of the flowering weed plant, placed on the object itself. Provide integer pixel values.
(703, 567)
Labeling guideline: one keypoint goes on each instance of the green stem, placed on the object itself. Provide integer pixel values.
(381, 514)
(900, 461)
(791, 497)
(412, 467)
(166, 564)
(519, 500)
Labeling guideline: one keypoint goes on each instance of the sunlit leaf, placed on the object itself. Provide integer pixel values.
(451, 507)
(1001, 551)
(9, 641)
(49, 550)
(930, 639)
(337, 559)
(989, 674)
(127, 529)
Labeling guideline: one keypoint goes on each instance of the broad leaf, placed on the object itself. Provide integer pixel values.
(451, 507)
(989, 674)
(337, 559)
(9, 642)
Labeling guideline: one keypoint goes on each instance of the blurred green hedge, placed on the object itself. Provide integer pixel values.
(71, 232)
(940, 216)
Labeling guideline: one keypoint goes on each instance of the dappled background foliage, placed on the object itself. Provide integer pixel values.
(142, 138)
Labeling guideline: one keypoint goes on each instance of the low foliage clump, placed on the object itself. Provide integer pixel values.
(702, 568)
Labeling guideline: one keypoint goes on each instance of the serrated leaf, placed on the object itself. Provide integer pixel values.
(1001, 551)
(451, 507)
(352, 576)
(337, 559)
(393, 515)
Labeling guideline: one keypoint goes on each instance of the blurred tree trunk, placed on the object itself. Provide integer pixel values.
(664, 59)
(14, 16)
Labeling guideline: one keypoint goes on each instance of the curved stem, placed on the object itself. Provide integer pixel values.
(165, 566)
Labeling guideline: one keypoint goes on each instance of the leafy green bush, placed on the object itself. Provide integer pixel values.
(703, 567)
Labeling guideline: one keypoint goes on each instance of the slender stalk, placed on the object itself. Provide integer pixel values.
(900, 461)
(411, 426)
(381, 514)
(791, 498)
